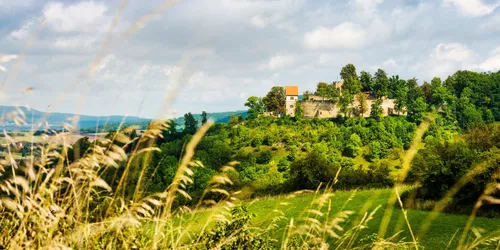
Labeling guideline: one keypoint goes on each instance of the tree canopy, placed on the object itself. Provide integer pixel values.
(275, 100)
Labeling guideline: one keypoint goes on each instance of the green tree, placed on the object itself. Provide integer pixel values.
(353, 146)
(426, 90)
(203, 117)
(401, 99)
(395, 85)
(327, 91)
(376, 109)
(309, 172)
(306, 95)
(366, 80)
(162, 172)
(233, 120)
(439, 93)
(275, 100)
(77, 151)
(351, 85)
(255, 106)
(345, 104)
(299, 111)
(170, 133)
(264, 157)
(362, 103)
(190, 123)
(375, 150)
(172, 127)
(414, 91)
(348, 71)
(467, 115)
(322, 89)
(381, 85)
(416, 112)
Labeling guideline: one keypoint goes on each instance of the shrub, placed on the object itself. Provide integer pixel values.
(374, 150)
(353, 146)
(310, 171)
(234, 233)
(264, 157)
(283, 165)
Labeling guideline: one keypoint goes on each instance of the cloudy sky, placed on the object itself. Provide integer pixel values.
(103, 57)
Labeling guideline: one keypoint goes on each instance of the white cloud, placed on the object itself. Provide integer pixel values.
(7, 58)
(452, 52)
(10, 5)
(492, 63)
(389, 63)
(280, 61)
(324, 59)
(496, 51)
(23, 32)
(365, 8)
(87, 16)
(75, 42)
(445, 59)
(259, 22)
(472, 7)
(346, 35)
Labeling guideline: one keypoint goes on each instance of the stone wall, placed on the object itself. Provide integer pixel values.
(328, 109)
(320, 109)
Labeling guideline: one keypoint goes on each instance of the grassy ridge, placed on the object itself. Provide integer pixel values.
(439, 235)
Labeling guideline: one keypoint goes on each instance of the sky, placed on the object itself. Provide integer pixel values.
(161, 59)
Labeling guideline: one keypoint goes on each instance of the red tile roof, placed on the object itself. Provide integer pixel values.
(292, 90)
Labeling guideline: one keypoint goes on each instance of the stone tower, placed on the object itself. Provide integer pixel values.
(292, 96)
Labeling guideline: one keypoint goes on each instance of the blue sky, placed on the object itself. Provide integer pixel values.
(213, 54)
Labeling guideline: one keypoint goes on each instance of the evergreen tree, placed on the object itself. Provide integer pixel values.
(203, 117)
(366, 80)
(190, 123)
(381, 85)
(351, 85)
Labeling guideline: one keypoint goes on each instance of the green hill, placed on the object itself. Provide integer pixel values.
(296, 207)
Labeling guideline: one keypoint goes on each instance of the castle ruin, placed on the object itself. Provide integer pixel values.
(321, 107)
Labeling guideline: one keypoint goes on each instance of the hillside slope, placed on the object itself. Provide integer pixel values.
(295, 207)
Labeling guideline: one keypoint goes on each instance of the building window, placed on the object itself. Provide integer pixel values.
(291, 98)
(291, 106)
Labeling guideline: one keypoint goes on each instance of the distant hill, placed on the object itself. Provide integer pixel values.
(56, 120)
(218, 117)
(88, 123)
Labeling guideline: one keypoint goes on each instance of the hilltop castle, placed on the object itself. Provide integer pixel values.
(321, 107)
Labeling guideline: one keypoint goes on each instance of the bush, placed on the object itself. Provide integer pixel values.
(264, 157)
(353, 146)
(309, 172)
(283, 165)
(374, 150)
(440, 166)
(237, 229)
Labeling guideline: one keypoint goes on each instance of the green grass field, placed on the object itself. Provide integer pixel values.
(440, 234)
